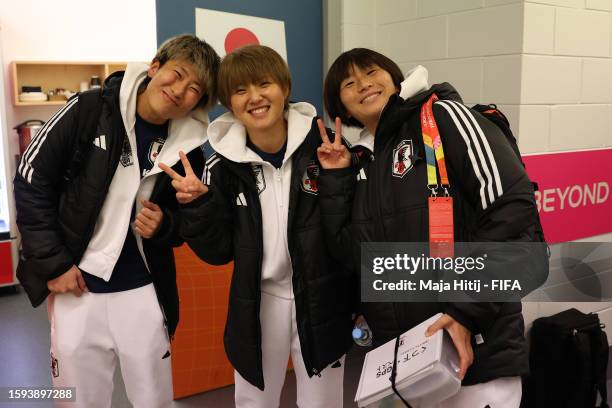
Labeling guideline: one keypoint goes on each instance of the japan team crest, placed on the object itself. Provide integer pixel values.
(155, 148)
(126, 159)
(309, 179)
(402, 161)
(260, 181)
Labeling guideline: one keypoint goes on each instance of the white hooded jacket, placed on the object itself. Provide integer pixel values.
(126, 187)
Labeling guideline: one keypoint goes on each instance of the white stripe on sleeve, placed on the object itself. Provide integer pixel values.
(485, 143)
(25, 168)
(470, 152)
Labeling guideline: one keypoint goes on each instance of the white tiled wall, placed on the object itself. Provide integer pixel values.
(393, 11)
(502, 79)
(357, 35)
(539, 29)
(534, 128)
(486, 31)
(407, 39)
(563, 3)
(596, 80)
(546, 63)
(580, 126)
(567, 67)
(582, 32)
(465, 74)
(438, 7)
(550, 79)
(599, 5)
(358, 12)
(358, 24)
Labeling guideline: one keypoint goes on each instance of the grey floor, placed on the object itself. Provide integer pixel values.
(24, 360)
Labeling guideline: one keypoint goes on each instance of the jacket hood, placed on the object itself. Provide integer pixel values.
(228, 136)
(415, 81)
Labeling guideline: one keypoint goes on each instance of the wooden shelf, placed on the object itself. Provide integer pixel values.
(51, 75)
(41, 103)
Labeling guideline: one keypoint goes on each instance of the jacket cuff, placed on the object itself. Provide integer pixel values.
(201, 200)
(461, 318)
(337, 172)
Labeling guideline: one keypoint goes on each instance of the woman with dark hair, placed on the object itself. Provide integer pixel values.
(386, 200)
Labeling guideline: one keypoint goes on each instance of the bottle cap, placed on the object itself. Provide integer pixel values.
(357, 333)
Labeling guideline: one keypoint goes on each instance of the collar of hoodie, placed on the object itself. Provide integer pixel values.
(228, 136)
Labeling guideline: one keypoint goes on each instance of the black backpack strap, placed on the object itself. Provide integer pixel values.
(89, 108)
(584, 396)
(496, 116)
(600, 348)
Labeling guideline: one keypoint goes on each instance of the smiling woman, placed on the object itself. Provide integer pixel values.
(257, 98)
(354, 72)
(393, 199)
(286, 296)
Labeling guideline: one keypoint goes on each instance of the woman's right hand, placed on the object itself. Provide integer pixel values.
(333, 155)
(188, 187)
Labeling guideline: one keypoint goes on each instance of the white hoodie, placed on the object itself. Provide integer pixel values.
(228, 137)
(416, 81)
(126, 187)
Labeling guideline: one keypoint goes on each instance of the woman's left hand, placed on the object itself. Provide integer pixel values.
(333, 155)
(148, 220)
(461, 339)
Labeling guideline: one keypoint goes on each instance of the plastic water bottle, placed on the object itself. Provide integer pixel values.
(362, 334)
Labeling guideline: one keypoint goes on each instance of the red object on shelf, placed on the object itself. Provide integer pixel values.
(6, 263)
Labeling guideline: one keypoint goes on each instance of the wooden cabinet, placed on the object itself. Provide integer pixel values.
(57, 74)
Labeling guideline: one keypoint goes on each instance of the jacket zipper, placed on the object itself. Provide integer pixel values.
(294, 184)
(259, 227)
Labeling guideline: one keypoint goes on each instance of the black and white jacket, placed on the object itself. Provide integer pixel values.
(380, 201)
(84, 221)
(268, 222)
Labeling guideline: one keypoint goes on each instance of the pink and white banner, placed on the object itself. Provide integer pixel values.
(574, 193)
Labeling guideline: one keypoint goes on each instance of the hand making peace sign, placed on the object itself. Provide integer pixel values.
(189, 187)
(333, 155)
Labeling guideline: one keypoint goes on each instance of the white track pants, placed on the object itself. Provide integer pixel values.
(279, 340)
(500, 393)
(90, 333)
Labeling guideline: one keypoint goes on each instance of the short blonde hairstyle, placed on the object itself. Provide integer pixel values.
(249, 65)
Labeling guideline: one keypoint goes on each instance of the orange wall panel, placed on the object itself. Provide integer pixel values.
(198, 358)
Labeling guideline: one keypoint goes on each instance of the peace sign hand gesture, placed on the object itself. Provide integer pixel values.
(333, 155)
(189, 187)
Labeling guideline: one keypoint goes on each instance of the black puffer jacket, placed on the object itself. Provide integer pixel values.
(226, 224)
(493, 201)
(56, 218)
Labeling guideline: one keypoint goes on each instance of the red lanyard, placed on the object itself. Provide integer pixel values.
(441, 228)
